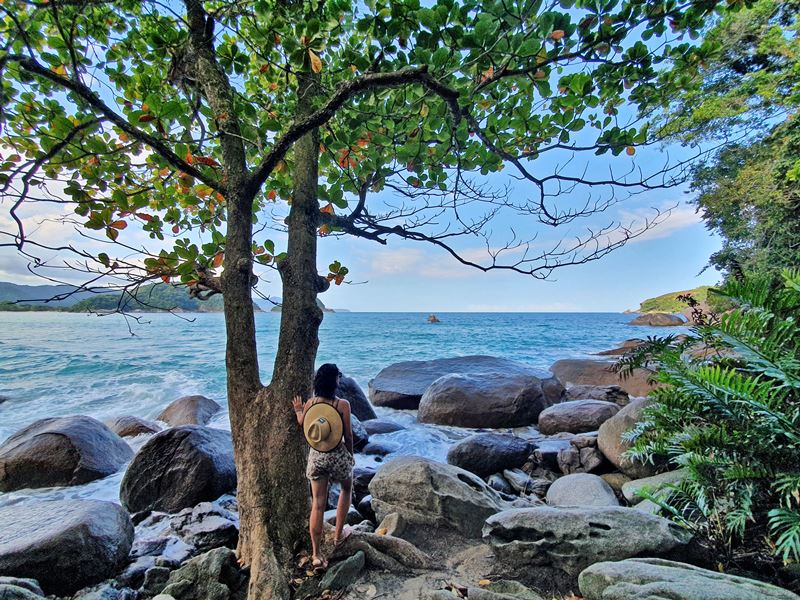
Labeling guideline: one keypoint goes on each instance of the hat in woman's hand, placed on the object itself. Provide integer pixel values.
(323, 427)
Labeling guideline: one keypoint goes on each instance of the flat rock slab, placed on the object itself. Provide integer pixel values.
(65, 545)
(658, 579)
(577, 371)
(401, 385)
(178, 468)
(60, 451)
(189, 410)
(488, 453)
(576, 416)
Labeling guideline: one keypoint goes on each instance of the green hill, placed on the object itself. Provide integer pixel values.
(157, 297)
(669, 303)
(39, 296)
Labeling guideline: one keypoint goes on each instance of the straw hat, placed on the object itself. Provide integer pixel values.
(323, 427)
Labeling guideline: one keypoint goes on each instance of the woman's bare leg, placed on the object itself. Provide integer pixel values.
(319, 498)
(342, 508)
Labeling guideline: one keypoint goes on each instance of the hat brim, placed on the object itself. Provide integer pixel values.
(329, 413)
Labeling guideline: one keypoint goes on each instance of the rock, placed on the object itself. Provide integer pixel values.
(616, 480)
(581, 489)
(105, 591)
(345, 573)
(576, 416)
(30, 585)
(648, 506)
(609, 393)
(352, 392)
(13, 592)
(179, 468)
(207, 526)
(523, 483)
(546, 453)
(353, 517)
(487, 453)
(392, 524)
(507, 588)
(60, 451)
(129, 426)
(361, 478)
(377, 426)
(401, 385)
(214, 575)
(500, 484)
(189, 410)
(360, 435)
(511, 397)
(658, 320)
(610, 442)
(64, 544)
(581, 456)
(425, 492)
(364, 506)
(155, 580)
(379, 449)
(623, 348)
(571, 539)
(577, 371)
(652, 484)
(657, 579)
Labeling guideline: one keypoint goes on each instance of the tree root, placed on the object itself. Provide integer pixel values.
(383, 552)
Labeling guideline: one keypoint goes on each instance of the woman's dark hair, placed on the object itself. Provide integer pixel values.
(326, 381)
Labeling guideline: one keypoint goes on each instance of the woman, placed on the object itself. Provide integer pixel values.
(326, 423)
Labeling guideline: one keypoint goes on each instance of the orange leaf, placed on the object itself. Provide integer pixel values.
(263, 69)
(145, 217)
(165, 278)
(209, 162)
(176, 229)
(630, 150)
(59, 70)
(316, 62)
(272, 195)
(217, 260)
(118, 224)
(339, 279)
(557, 34)
(363, 142)
(260, 250)
(327, 209)
(189, 158)
(202, 191)
(488, 73)
(539, 74)
(124, 137)
(324, 229)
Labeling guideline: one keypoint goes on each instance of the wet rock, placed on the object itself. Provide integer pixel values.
(654, 579)
(425, 492)
(130, 426)
(651, 485)
(13, 592)
(365, 508)
(379, 449)
(214, 575)
(499, 483)
(378, 426)
(361, 478)
(30, 585)
(576, 416)
(581, 489)
(64, 544)
(571, 539)
(60, 451)
(105, 591)
(522, 483)
(609, 393)
(179, 468)
(613, 447)
(360, 435)
(345, 573)
(353, 517)
(189, 410)
(207, 526)
(658, 320)
(352, 392)
(546, 453)
(598, 372)
(487, 453)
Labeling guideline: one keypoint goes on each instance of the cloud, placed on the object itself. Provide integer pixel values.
(679, 218)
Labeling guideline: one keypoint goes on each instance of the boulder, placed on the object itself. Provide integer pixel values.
(609, 393)
(576, 416)
(129, 426)
(616, 480)
(65, 545)
(658, 320)
(652, 484)
(578, 371)
(15, 592)
(214, 575)
(377, 426)
(353, 517)
(179, 468)
(546, 454)
(189, 410)
(499, 483)
(581, 489)
(524, 484)
(613, 447)
(361, 478)
(106, 591)
(623, 348)
(207, 526)
(511, 397)
(360, 435)
(345, 573)
(425, 492)
(29, 585)
(60, 451)
(503, 589)
(364, 507)
(401, 385)
(487, 453)
(352, 392)
(571, 539)
(657, 579)
(379, 449)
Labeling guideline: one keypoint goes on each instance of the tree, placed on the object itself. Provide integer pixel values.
(193, 119)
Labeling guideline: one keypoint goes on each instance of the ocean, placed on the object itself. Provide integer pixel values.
(55, 364)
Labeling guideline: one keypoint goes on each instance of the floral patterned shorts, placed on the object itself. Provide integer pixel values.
(336, 465)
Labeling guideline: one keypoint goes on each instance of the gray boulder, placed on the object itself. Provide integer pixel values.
(14, 592)
(401, 385)
(651, 485)
(65, 545)
(189, 410)
(130, 426)
(30, 585)
(571, 539)
(352, 392)
(658, 320)
(377, 426)
(488, 453)
(658, 579)
(214, 575)
(425, 492)
(60, 451)
(207, 526)
(179, 468)
(345, 573)
(576, 416)
(609, 393)
(581, 489)
(579, 371)
(613, 447)
(360, 435)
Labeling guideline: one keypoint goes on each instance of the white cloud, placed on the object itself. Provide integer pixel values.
(677, 219)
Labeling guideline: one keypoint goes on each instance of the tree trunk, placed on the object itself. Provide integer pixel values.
(271, 452)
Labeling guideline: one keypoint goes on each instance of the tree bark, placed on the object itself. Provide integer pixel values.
(271, 452)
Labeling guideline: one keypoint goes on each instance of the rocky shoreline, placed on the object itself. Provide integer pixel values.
(549, 512)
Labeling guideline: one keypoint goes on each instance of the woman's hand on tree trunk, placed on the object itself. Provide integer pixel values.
(297, 403)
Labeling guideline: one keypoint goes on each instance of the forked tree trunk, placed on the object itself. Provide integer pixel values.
(270, 451)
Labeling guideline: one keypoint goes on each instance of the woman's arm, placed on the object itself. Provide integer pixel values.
(299, 409)
(344, 406)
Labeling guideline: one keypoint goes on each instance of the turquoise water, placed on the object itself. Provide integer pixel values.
(54, 364)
